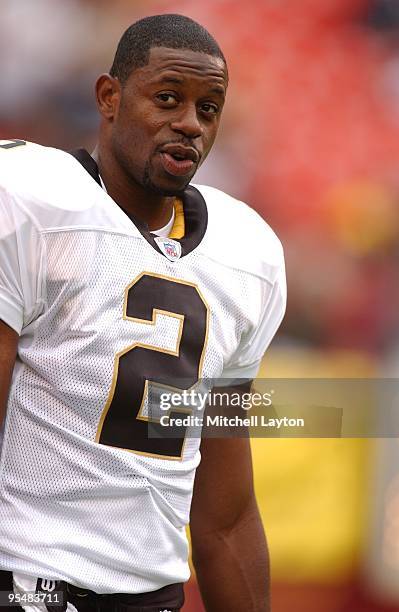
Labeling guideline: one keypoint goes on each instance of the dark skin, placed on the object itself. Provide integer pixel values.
(177, 98)
(229, 546)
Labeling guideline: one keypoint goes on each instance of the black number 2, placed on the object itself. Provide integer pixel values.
(122, 424)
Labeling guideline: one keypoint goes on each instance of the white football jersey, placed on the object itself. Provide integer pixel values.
(86, 495)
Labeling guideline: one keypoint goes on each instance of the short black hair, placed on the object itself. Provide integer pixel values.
(168, 30)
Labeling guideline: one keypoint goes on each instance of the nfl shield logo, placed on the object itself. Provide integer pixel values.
(170, 248)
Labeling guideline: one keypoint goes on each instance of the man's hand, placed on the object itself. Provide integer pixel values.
(229, 546)
(8, 350)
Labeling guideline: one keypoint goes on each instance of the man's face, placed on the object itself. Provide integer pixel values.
(168, 116)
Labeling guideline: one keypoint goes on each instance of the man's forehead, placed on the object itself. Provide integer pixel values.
(165, 63)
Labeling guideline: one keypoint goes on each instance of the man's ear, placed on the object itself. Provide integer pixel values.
(108, 95)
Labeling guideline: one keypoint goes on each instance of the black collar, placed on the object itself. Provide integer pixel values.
(194, 206)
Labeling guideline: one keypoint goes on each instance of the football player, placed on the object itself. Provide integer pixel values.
(118, 276)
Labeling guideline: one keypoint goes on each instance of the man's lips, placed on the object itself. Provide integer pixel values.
(178, 159)
(176, 167)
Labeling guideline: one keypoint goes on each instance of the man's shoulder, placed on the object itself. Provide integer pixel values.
(26, 163)
(238, 236)
(48, 183)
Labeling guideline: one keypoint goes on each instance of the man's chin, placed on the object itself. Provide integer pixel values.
(165, 190)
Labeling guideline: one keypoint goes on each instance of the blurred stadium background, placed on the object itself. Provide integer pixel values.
(310, 138)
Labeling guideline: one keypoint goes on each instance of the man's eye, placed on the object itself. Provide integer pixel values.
(166, 98)
(210, 108)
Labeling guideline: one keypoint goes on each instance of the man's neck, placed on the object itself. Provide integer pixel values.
(153, 209)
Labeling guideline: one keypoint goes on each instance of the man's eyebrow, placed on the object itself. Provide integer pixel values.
(216, 89)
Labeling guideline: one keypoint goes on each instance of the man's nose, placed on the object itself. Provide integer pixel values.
(187, 122)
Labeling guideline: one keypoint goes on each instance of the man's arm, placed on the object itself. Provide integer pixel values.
(229, 546)
(8, 350)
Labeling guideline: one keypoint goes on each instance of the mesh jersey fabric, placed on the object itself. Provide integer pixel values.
(72, 508)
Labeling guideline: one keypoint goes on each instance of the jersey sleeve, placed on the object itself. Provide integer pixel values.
(246, 360)
(21, 264)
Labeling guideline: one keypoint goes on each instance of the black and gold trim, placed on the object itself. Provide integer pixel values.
(122, 423)
(194, 207)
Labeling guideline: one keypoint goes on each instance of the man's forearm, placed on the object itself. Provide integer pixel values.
(232, 566)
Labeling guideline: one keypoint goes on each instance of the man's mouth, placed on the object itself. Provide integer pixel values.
(178, 159)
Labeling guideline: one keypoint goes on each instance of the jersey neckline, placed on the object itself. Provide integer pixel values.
(194, 207)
